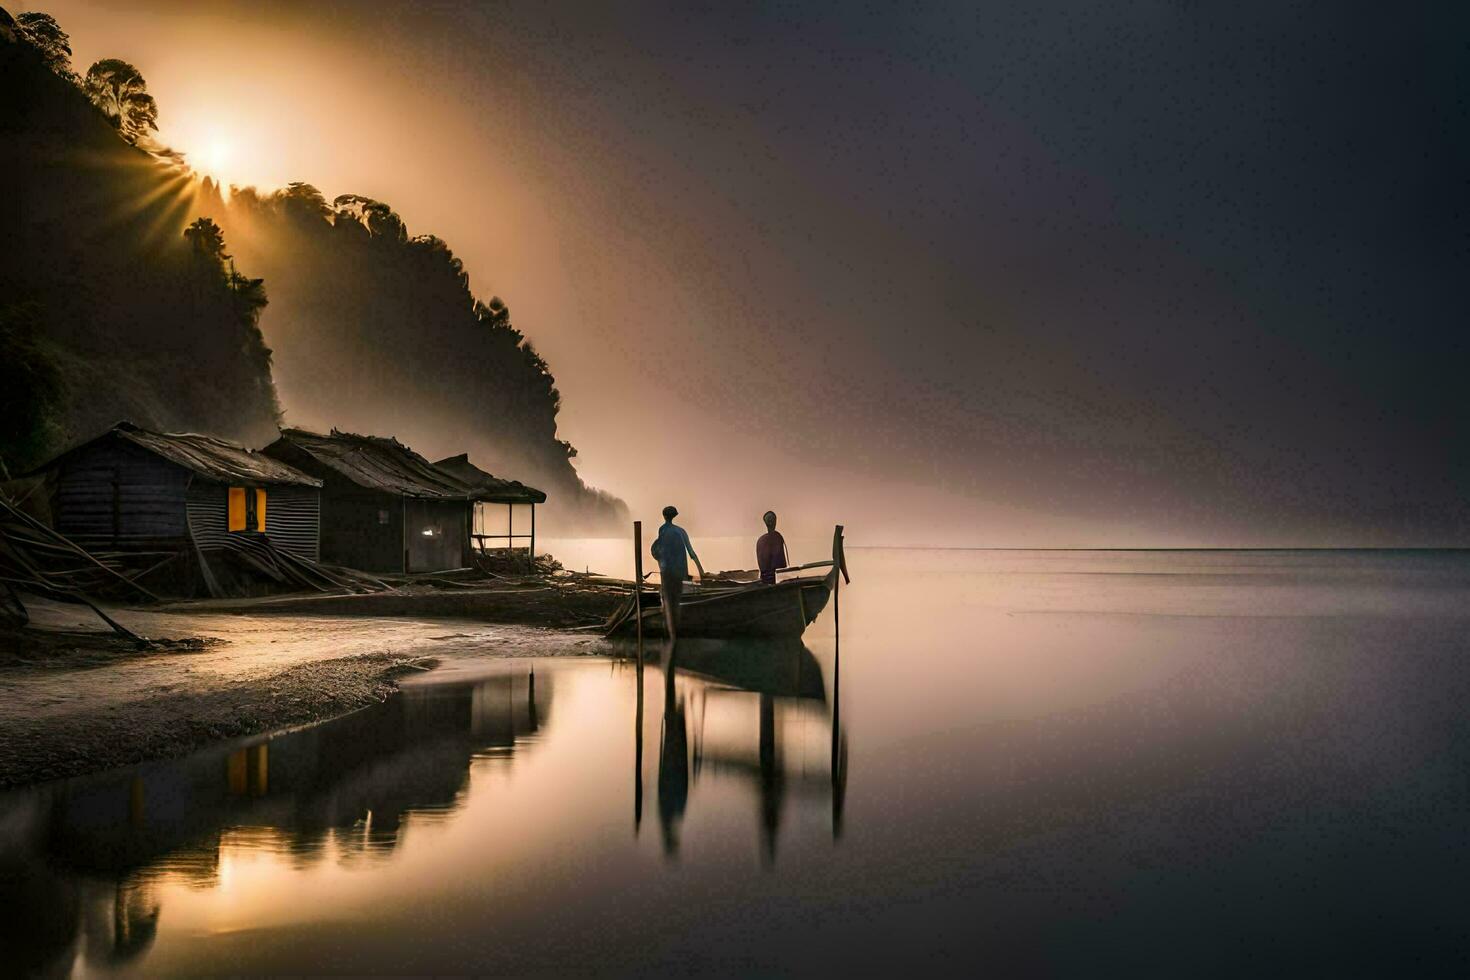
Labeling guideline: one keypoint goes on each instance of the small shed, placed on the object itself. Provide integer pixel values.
(133, 491)
(384, 507)
(490, 491)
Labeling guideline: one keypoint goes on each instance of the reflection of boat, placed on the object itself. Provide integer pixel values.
(742, 609)
(778, 686)
(781, 666)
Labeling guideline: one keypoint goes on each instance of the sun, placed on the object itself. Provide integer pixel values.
(214, 158)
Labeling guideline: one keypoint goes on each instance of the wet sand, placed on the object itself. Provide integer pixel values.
(80, 700)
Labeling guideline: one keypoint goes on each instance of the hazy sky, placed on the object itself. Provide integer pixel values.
(1025, 273)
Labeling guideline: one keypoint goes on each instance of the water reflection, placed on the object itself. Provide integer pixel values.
(81, 861)
(748, 699)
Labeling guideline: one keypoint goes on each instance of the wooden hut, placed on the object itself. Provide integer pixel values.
(160, 496)
(384, 507)
(488, 493)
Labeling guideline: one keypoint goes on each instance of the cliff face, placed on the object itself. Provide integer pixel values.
(106, 310)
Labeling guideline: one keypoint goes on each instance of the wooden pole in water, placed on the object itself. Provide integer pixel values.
(838, 777)
(839, 572)
(638, 591)
(836, 658)
(638, 718)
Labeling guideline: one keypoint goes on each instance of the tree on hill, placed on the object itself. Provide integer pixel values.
(208, 242)
(376, 319)
(119, 90)
(109, 312)
(42, 32)
(379, 330)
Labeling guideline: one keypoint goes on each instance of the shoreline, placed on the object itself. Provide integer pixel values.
(38, 748)
(82, 701)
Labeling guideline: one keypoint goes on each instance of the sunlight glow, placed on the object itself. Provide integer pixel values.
(214, 158)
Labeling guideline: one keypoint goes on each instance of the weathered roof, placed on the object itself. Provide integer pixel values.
(487, 487)
(377, 463)
(216, 459)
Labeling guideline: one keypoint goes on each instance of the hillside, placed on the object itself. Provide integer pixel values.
(106, 309)
(377, 330)
(109, 309)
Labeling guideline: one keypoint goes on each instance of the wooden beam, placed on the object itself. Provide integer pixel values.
(638, 595)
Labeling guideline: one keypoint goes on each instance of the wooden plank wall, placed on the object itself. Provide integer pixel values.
(448, 519)
(114, 496)
(353, 535)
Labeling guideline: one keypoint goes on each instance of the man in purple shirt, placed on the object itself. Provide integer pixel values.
(770, 550)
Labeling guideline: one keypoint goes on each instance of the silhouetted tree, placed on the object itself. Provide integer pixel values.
(42, 32)
(303, 201)
(246, 295)
(393, 323)
(118, 89)
(208, 241)
(121, 316)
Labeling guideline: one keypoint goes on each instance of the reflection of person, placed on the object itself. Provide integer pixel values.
(673, 760)
(770, 550)
(670, 548)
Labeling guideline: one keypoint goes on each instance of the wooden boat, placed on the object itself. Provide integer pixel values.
(740, 609)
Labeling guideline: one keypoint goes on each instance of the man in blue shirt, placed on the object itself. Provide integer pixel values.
(670, 548)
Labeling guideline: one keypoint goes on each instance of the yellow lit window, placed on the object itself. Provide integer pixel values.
(237, 508)
(246, 509)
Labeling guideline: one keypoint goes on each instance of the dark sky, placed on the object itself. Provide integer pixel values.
(1033, 273)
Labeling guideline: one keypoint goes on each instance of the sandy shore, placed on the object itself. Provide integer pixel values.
(79, 700)
(36, 748)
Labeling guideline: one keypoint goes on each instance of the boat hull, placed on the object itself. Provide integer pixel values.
(783, 609)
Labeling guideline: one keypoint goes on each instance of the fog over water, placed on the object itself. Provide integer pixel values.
(1037, 274)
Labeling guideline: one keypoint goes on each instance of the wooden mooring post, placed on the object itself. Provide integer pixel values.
(638, 594)
(638, 717)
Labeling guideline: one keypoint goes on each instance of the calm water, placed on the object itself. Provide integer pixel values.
(1037, 762)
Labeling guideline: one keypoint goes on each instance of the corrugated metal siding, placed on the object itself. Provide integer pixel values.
(292, 520)
(208, 505)
(117, 496)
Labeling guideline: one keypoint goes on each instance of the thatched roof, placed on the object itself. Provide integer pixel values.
(487, 487)
(208, 456)
(376, 463)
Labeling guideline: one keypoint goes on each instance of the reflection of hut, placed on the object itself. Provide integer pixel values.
(491, 491)
(384, 507)
(156, 496)
(123, 835)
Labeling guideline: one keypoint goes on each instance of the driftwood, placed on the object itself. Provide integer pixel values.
(260, 555)
(40, 561)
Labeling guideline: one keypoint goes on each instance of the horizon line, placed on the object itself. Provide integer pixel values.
(951, 547)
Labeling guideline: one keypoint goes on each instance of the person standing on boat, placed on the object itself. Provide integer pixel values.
(670, 548)
(770, 550)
